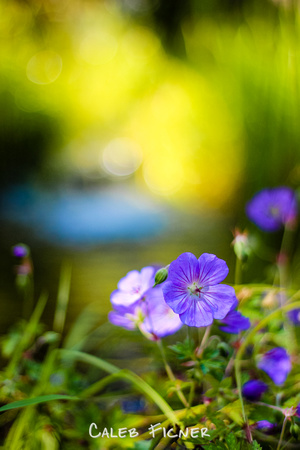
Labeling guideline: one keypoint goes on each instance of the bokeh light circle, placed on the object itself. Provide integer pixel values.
(121, 157)
(44, 67)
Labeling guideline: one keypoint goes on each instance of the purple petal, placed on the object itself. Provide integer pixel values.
(121, 298)
(121, 320)
(286, 200)
(160, 319)
(294, 316)
(219, 298)
(252, 390)
(235, 322)
(265, 426)
(177, 297)
(199, 314)
(212, 269)
(184, 270)
(269, 209)
(147, 278)
(130, 280)
(277, 364)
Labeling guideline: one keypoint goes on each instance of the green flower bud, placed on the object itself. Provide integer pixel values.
(160, 276)
(294, 430)
(241, 245)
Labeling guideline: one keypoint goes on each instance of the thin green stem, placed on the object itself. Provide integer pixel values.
(203, 342)
(238, 271)
(282, 433)
(192, 393)
(171, 375)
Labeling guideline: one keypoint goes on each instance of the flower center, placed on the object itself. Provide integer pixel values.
(194, 289)
(136, 290)
(274, 211)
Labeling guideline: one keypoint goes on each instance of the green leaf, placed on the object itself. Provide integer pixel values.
(184, 350)
(256, 446)
(36, 400)
(231, 442)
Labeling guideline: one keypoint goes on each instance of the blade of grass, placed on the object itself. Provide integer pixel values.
(62, 298)
(36, 400)
(28, 334)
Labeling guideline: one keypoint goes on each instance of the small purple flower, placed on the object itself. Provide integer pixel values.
(254, 389)
(298, 410)
(150, 314)
(277, 364)
(294, 316)
(265, 426)
(133, 287)
(234, 321)
(269, 209)
(193, 291)
(20, 250)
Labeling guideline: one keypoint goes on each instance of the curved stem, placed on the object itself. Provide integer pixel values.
(203, 342)
(171, 375)
(282, 433)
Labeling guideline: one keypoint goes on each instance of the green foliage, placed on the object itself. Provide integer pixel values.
(184, 350)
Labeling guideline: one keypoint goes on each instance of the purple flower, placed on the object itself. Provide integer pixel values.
(20, 250)
(150, 314)
(294, 316)
(133, 287)
(277, 364)
(193, 291)
(254, 389)
(298, 410)
(234, 321)
(269, 209)
(265, 426)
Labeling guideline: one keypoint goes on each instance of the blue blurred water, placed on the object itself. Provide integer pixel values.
(72, 216)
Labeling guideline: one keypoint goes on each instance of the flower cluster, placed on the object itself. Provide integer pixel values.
(138, 305)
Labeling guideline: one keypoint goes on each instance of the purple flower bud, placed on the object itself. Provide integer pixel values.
(277, 364)
(294, 316)
(20, 250)
(254, 389)
(270, 209)
(265, 426)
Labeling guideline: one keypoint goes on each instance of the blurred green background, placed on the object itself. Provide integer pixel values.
(134, 130)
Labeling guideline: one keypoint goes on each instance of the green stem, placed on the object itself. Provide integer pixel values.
(282, 433)
(238, 271)
(203, 342)
(171, 375)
